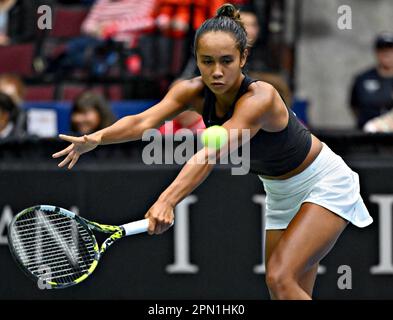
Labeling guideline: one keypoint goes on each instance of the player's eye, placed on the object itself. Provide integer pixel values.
(227, 61)
(207, 62)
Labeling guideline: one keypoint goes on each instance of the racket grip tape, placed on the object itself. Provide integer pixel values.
(136, 227)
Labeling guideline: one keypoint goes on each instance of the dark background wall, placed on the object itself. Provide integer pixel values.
(225, 230)
(222, 220)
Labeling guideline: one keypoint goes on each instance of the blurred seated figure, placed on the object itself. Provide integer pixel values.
(90, 112)
(371, 94)
(111, 26)
(13, 86)
(8, 116)
(17, 21)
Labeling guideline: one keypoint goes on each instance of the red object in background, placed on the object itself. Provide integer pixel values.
(171, 127)
(174, 17)
(108, 31)
(134, 64)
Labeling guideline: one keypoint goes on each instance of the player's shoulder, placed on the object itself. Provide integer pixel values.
(193, 85)
(261, 88)
(186, 91)
(261, 92)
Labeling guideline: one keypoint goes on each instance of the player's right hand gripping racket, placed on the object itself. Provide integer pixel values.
(55, 247)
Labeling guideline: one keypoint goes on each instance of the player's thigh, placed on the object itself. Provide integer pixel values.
(271, 240)
(306, 280)
(309, 237)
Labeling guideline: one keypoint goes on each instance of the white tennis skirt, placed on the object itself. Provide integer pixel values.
(327, 182)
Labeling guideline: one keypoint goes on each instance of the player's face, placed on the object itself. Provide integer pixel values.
(86, 122)
(219, 61)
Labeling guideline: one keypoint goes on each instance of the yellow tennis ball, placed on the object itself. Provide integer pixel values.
(214, 137)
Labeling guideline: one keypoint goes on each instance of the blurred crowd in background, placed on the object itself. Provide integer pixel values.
(98, 52)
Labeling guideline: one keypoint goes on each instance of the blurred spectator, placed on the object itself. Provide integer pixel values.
(8, 116)
(110, 26)
(121, 20)
(372, 91)
(90, 112)
(13, 86)
(17, 21)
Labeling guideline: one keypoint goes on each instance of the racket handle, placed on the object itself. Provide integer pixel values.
(136, 227)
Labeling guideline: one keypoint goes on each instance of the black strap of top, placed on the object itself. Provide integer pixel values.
(209, 108)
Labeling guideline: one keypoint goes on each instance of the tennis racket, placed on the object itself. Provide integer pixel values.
(57, 248)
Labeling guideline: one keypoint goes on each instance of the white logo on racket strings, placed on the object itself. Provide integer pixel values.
(160, 151)
(45, 274)
(57, 237)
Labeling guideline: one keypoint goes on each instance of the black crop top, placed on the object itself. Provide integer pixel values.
(272, 153)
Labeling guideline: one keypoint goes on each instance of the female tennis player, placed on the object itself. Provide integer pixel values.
(311, 194)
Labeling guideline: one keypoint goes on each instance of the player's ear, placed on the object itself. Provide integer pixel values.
(243, 58)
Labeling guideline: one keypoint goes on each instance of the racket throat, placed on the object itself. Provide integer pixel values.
(113, 238)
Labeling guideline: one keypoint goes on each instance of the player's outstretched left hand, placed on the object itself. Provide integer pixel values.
(78, 146)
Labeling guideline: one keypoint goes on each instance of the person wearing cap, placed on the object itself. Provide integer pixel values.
(372, 90)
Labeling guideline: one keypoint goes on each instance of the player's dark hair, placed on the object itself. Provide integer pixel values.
(227, 19)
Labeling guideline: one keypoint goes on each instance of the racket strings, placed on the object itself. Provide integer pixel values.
(53, 246)
(59, 226)
(48, 239)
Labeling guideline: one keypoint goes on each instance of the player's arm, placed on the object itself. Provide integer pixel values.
(248, 115)
(131, 128)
